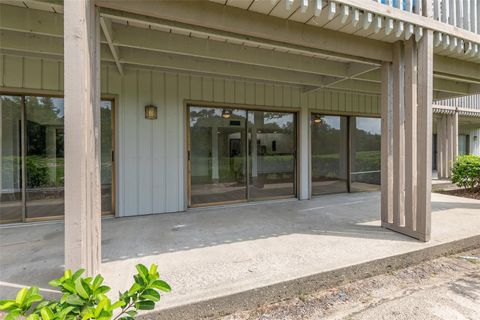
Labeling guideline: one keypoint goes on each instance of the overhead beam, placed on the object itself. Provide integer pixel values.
(215, 19)
(108, 32)
(30, 20)
(148, 39)
(207, 66)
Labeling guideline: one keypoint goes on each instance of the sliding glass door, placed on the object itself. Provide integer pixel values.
(329, 154)
(345, 153)
(11, 197)
(238, 155)
(32, 158)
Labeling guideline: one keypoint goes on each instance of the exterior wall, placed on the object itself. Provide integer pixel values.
(150, 153)
(475, 142)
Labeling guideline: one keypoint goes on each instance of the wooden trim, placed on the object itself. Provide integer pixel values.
(426, 22)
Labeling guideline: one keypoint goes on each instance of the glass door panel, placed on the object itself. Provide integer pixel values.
(107, 156)
(365, 154)
(11, 159)
(217, 155)
(329, 136)
(44, 157)
(271, 140)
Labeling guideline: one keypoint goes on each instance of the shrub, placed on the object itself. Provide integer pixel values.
(84, 298)
(466, 172)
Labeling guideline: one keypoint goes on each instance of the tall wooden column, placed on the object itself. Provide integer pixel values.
(447, 144)
(407, 138)
(82, 136)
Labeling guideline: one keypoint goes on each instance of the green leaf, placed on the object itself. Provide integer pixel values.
(138, 279)
(97, 282)
(6, 304)
(46, 313)
(42, 304)
(102, 289)
(134, 288)
(101, 305)
(69, 287)
(132, 313)
(21, 296)
(153, 269)
(75, 300)
(117, 305)
(63, 314)
(161, 285)
(33, 316)
(145, 305)
(55, 283)
(32, 299)
(127, 318)
(67, 274)
(150, 294)
(12, 315)
(77, 274)
(79, 288)
(143, 271)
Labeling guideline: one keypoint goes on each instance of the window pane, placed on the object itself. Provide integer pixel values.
(329, 154)
(366, 155)
(271, 154)
(44, 157)
(217, 145)
(10, 159)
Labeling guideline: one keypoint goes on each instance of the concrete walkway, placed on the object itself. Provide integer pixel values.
(209, 253)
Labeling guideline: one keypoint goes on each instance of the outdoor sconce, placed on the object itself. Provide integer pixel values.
(151, 112)
(226, 114)
(475, 138)
(317, 119)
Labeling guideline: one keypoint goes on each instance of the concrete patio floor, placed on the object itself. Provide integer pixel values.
(214, 252)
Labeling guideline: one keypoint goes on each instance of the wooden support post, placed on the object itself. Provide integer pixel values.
(407, 86)
(398, 135)
(424, 132)
(410, 134)
(82, 136)
(387, 144)
(303, 157)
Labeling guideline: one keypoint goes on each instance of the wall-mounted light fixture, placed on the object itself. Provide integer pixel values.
(151, 112)
(475, 138)
(317, 119)
(226, 114)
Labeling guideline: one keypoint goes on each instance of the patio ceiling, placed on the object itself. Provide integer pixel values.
(137, 40)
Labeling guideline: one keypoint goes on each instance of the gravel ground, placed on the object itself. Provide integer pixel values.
(446, 288)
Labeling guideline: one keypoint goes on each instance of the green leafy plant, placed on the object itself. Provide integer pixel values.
(466, 172)
(85, 298)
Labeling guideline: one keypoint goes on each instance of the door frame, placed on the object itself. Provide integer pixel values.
(22, 93)
(187, 150)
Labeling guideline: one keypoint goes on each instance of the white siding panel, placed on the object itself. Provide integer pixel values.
(129, 158)
(173, 143)
(50, 80)
(145, 144)
(32, 73)
(13, 72)
(159, 144)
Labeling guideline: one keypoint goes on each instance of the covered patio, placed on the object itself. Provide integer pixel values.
(218, 252)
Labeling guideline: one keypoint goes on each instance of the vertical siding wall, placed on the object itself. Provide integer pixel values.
(150, 153)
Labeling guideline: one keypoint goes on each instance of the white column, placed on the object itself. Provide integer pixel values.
(82, 136)
(303, 153)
